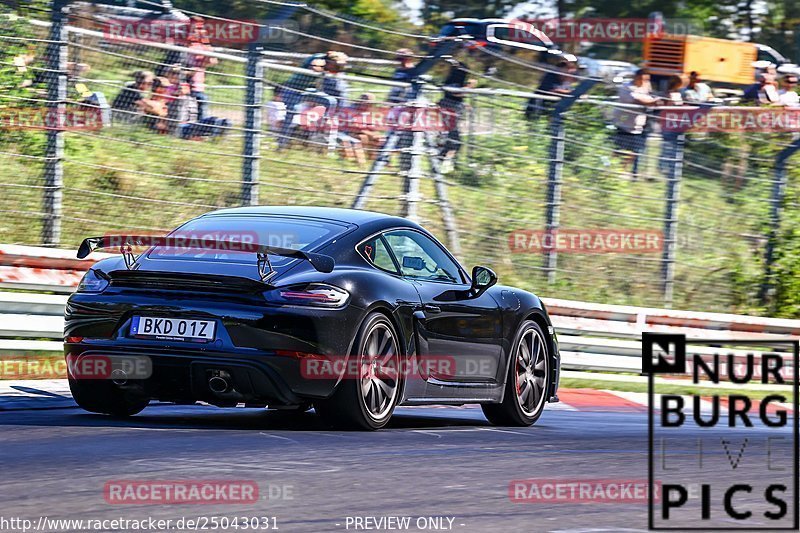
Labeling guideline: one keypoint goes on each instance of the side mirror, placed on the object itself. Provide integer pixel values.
(482, 278)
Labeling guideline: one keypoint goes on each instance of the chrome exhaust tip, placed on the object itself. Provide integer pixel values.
(219, 385)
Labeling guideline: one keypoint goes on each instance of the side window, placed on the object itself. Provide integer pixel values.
(421, 258)
(375, 251)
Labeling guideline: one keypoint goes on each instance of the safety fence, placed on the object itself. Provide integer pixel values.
(538, 187)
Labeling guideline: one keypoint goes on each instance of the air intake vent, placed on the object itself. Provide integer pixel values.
(178, 281)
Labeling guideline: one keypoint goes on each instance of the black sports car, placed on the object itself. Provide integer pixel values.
(351, 312)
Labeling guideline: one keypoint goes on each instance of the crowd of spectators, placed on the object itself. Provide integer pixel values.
(173, 100)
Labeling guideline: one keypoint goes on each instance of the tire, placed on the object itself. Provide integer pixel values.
(523, 404)
(367, 401)
(104, 397)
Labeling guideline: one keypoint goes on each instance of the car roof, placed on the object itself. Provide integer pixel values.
(335, 214)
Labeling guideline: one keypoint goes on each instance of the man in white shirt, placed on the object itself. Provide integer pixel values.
(788, 92)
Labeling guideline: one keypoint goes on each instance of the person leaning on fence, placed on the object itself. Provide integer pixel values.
(554, 83)
(291, 93)
(403, 74)
(673, 96)
(763, 91)
(788, 93)
(631, 122)
(697, 92)
(130, 101)
(334, 84)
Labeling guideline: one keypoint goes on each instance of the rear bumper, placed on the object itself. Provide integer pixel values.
(262, 347)
(184, 377)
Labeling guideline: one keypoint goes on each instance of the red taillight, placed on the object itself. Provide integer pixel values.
(314, 294)
(73, 340)
(298, 355)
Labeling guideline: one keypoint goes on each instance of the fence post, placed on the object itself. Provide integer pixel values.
(554, 174)
(775, 208)
(674, 174)
(52, 197)
(251, 154)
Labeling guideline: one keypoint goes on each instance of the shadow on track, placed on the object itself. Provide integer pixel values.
(202, 417)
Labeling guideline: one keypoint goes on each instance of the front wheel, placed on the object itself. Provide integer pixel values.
(527, 383)
(104, 397)
(366, 399)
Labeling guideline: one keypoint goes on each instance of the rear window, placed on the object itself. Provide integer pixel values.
(284, 232)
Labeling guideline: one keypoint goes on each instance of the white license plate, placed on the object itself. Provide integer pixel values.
(175, 329)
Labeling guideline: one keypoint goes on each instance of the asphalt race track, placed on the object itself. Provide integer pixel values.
(430, 462)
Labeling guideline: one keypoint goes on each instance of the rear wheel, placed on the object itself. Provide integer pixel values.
(527, 383)
(367, 400)
(104, 397)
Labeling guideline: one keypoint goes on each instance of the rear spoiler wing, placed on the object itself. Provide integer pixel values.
(321, 263)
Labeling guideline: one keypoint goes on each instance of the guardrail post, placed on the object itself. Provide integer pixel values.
(252, 133)
(674, 143)
(775, 208)
(554, 180)
(52, 197)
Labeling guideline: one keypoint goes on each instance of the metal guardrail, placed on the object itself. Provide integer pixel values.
(592, 336)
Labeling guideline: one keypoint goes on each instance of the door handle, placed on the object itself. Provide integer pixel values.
(432, 309)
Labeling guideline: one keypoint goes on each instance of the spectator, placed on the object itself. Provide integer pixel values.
(156, 107)
(554, 83)
(197, 64)
(763, 92)
(292, 93)
(131, 99)
(333, 84)
(674, 92)
(361, 122)
(788, 93)
(403, 73)
(452, 109)
(697, 92)
(632, 121)
(275, 111)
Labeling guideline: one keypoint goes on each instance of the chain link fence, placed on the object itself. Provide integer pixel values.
(705, 207)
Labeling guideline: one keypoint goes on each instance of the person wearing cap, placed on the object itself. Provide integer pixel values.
(403, 73)
(788, 92)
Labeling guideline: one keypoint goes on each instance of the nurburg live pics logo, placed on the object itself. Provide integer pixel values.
(726, 456)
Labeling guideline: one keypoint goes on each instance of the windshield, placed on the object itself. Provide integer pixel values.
(195, 240)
